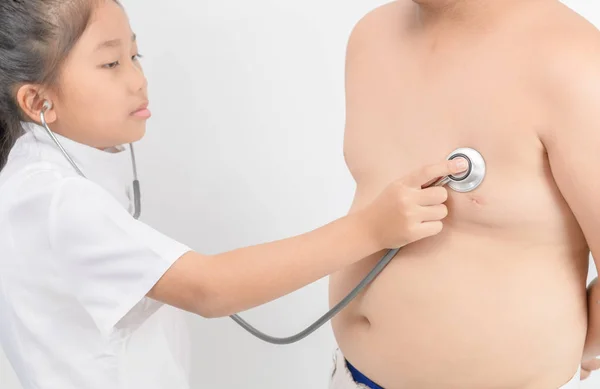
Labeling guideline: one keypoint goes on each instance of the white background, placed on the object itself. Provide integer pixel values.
(245, 146)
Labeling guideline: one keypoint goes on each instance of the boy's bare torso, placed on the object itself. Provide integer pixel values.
(497, 300)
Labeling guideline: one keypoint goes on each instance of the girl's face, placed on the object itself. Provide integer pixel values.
(102, 92)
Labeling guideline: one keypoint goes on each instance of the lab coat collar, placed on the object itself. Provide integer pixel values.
(112, 169)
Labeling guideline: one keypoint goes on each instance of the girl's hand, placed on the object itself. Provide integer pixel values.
(405, 212)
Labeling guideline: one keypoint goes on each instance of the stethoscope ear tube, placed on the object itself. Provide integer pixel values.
(136, 184)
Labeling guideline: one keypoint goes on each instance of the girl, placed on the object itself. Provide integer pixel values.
(78, 274)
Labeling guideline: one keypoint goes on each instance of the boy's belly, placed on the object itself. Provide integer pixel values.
(467, 309)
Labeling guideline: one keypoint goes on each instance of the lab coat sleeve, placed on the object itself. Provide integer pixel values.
(108, 259)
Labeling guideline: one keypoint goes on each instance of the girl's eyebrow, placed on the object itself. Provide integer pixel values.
(113, 43)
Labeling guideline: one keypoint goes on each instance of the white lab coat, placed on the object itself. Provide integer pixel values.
(74, 271)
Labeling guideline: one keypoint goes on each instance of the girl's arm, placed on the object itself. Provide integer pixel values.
(234, 281)
(231, 282)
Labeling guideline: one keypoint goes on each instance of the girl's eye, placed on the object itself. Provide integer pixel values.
(111, 65)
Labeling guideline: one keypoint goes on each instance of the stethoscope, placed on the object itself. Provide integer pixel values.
(465, 182)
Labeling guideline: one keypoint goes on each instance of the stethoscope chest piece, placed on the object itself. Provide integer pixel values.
(473, 177)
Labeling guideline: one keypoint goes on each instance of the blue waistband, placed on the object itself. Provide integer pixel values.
(360, 378)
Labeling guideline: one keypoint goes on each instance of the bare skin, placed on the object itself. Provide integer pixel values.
(498, 298)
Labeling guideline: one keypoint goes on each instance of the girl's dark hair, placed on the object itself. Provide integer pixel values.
(36, 36)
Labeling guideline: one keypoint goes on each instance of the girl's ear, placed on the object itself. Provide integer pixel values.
(32, 102)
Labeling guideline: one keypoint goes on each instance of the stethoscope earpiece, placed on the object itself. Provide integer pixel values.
(47, 105)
